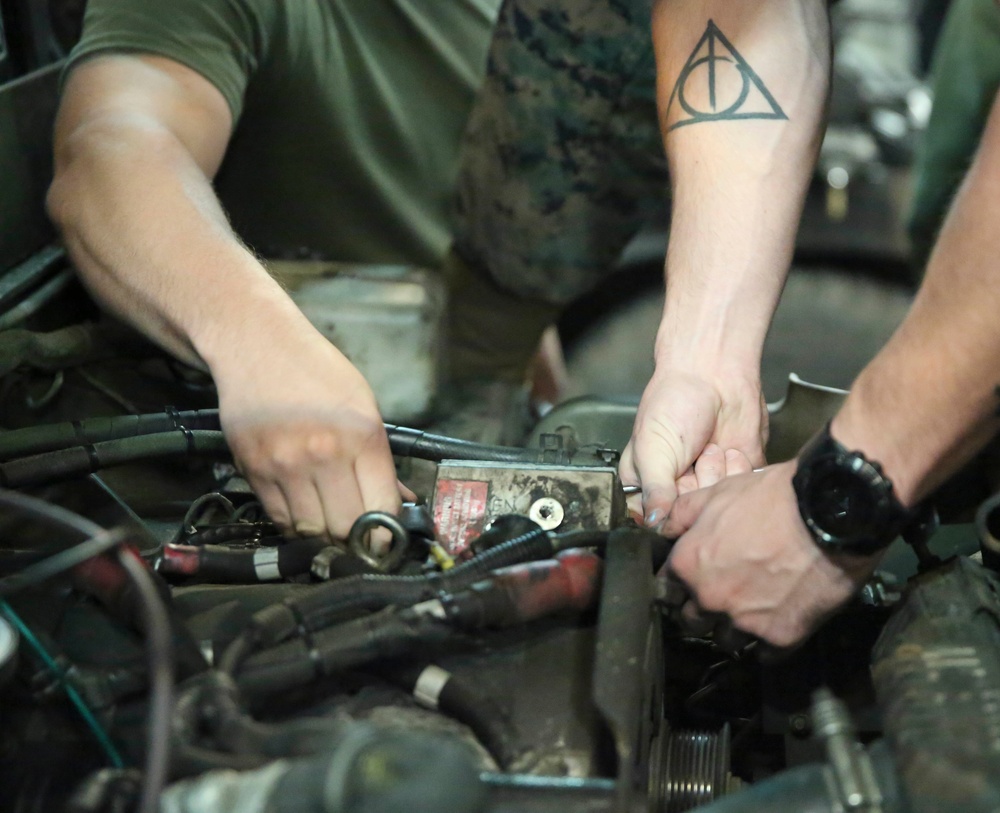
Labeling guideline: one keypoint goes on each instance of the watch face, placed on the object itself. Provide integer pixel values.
(844, 503)
(841, 503)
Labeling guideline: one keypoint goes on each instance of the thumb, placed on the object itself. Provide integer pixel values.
(658, 499)
(659, 464)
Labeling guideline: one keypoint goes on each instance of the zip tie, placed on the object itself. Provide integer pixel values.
(307, 638)
(175, 416)
(92, 457)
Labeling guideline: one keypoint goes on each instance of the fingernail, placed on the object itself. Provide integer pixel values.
(732, 454)
(713, 449)
(655, 518)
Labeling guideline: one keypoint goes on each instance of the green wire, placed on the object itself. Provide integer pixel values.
(88, 716)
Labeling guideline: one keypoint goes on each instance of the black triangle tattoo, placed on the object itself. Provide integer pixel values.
(701, 66)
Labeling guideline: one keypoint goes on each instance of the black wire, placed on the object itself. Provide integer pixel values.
(159, 650)
(49, 467)
(60, 562)
(157, 625)
(52, 514)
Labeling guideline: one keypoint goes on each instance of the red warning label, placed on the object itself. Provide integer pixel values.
(459, 512)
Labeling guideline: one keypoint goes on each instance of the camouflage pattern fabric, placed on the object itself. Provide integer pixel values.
(562, 160)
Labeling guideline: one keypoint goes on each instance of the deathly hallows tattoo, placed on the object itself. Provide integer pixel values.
(717, 84)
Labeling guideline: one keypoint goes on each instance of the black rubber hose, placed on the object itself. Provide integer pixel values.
(389, 633)
(78, 460)
(460, 701)
(659, 544)
(508, 596)
(217, 563)
(406, 442)
(343, 598)
(403, 441)
(37, 439)
(230, 532)
(209, 707)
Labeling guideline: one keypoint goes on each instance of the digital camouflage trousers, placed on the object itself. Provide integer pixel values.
(562, 160)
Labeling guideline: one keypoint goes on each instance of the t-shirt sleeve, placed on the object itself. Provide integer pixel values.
(223, 40)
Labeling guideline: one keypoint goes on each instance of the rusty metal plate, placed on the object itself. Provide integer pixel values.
(470, 495)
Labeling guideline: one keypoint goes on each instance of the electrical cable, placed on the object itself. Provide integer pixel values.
(102, 737)
(62, 561)
(230, 532)
(34, 440)
(406, 442)
(159, 649)
(36, 300)
(336, 601)
(403, 441)
(74, 461)
(50, 513)
(158, 633)
(506, 597)
(27, 276)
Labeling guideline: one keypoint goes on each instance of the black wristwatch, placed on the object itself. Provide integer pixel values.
(845, 500)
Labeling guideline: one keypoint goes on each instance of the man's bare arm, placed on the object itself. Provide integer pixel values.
(742, 88)
(137, 141)
(930, 399)
(921, 408)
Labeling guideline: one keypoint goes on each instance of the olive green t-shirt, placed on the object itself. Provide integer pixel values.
(348, 113)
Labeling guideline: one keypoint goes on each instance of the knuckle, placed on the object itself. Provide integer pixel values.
(323, 446)
(712, 599)
(284, 457)
(683, 562)
(280, 517)
(255, 469)
(780, 633)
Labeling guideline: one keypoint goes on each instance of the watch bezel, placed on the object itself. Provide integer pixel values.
(824, 456)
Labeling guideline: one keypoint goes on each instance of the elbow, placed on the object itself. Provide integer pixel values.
(76, 160)
(59, 202)
(99, 161)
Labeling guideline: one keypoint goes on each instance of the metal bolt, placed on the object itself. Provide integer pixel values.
(547, 512)
(799, 724)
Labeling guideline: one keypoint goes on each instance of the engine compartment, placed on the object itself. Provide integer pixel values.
(484, 662)
(154, 627)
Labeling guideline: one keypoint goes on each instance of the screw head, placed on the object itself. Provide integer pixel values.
(800, 724)
(547, 512)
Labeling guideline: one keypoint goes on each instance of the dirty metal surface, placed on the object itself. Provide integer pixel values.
(468, 496)
(607, 422)
(623, 691)
(542, 681)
